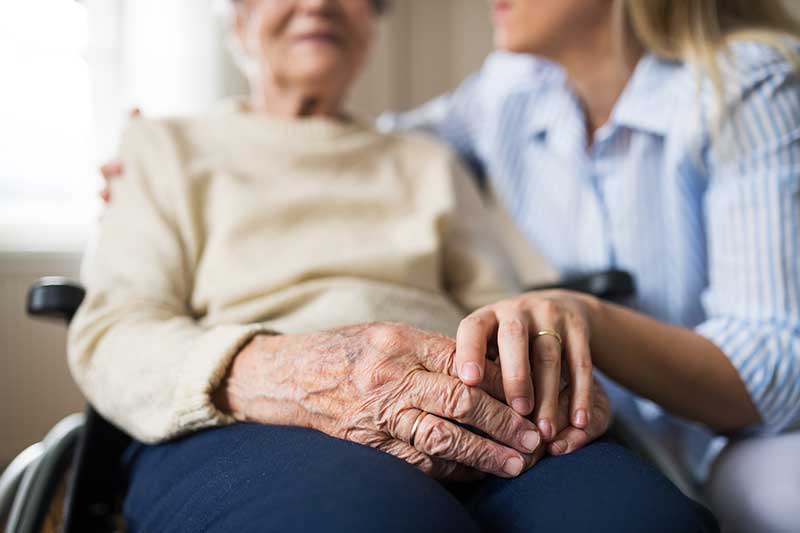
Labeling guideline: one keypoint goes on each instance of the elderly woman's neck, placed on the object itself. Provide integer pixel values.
(296, 102)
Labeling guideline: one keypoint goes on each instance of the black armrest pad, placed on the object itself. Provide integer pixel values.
(55, 297)
(609, 285)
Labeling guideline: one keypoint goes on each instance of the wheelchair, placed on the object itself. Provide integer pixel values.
(73, 480)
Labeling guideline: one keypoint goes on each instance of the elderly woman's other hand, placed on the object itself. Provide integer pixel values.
(388, 386)
(539, 336)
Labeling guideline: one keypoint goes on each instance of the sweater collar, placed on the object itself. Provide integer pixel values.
(310, 130)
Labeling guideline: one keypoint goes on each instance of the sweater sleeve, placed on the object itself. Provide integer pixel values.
(135, 348)
(477, 269)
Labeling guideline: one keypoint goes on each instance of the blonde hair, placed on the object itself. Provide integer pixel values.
(699, 32)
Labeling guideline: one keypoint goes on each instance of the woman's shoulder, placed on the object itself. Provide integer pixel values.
(758, 117)
(759, 77)
(750, 74)
(418, 149)
(149, 142)
(156, 137)
(434, 167)
(190, 136)
(750, 58)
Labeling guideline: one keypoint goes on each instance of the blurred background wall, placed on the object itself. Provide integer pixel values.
(69, 79)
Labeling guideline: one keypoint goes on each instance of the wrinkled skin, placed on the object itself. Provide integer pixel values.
(369, 383)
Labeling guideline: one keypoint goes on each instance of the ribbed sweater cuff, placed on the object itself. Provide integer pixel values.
(211, 357)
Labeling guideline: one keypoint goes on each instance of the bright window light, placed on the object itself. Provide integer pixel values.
(47, 185)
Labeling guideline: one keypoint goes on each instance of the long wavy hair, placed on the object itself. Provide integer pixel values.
(699, 32)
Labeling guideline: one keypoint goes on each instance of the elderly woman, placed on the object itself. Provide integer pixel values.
(282, 277)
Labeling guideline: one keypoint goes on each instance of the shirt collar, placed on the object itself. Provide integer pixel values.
(550, 95)
(647, 103)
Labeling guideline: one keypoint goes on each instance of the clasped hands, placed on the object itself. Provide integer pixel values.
(388, 385)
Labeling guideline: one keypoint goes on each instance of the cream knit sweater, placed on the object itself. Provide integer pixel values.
(232, 224)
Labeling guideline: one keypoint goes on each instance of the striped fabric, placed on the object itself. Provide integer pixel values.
(700, 202)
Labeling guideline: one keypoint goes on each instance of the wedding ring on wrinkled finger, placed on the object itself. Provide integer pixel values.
(415, 427)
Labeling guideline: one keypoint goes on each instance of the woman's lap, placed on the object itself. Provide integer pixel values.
(602, 488)
(270, 478)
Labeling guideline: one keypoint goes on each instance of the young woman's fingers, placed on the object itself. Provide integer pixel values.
(546, 354)
(512, 342)
(114, 169)
(111, 170)
(580, 370)
(473, 334)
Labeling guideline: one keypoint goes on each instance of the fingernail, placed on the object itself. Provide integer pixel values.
(530, 440)
(559, 446)
(545, 429)
(580, 418)
(521, 405)
(513, 466)
(470, 372)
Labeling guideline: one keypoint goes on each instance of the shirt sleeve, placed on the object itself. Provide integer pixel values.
(477, 269)
(752, 210)
(135, 348)
(452, 118)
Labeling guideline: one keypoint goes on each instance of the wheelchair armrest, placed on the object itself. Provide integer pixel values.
(55, 297)
(609, 285)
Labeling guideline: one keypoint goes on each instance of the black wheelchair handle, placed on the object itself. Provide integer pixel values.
(611, 285)
(55, 297)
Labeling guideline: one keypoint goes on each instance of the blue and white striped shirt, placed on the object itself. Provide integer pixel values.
(705, 214)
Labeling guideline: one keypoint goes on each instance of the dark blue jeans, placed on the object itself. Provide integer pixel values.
(285, 479)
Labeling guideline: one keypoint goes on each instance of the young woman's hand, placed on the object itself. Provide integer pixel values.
(540, 337)
(113, 169)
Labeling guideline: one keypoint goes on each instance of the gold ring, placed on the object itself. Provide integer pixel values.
(415, 427)
(549, 332)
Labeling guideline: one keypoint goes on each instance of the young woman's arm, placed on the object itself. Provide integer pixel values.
(463, 118)
(739, 368)
(752, 220)
(682, 371)
(675, 367)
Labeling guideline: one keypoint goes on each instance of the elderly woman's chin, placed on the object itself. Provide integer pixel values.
(320, 62)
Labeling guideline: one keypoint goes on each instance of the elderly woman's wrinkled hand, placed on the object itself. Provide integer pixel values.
(388, 386)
